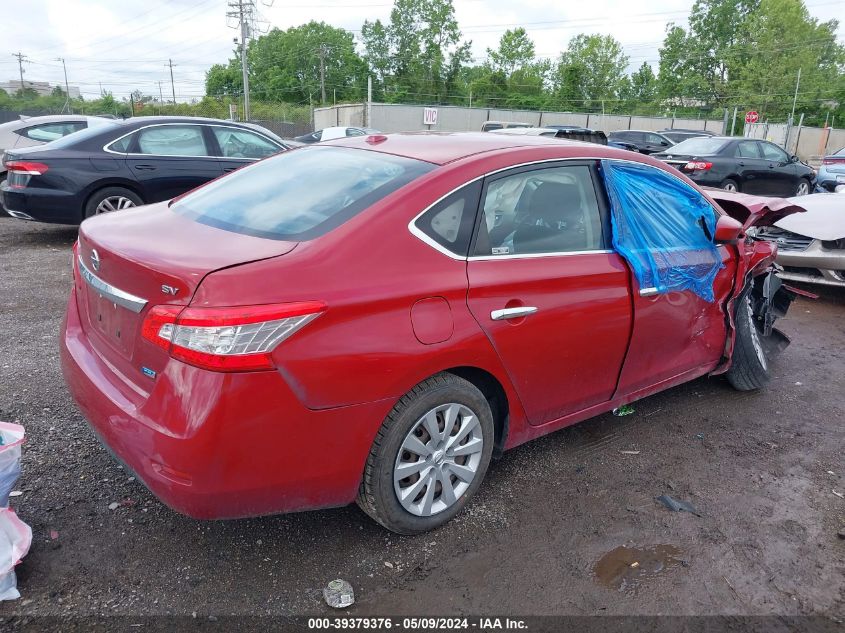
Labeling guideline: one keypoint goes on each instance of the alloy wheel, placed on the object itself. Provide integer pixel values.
(114, 203)
(803, 188)
(438, 459)
(729, 187)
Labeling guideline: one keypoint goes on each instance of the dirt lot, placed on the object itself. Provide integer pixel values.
(760, 468)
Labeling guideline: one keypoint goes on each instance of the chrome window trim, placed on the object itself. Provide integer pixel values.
(112, 293)
(234, 127)
(416, 232)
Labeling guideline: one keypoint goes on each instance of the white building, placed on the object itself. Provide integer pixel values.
(43, 88)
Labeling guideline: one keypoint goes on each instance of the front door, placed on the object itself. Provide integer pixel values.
(551, 297)
(169, 160)
(666, 228)
(782, 174)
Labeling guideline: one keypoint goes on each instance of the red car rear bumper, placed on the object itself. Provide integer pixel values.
(213, 445)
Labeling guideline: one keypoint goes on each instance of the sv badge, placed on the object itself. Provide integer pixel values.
(169, 290)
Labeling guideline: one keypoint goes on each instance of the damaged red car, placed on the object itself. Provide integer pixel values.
(373, 319)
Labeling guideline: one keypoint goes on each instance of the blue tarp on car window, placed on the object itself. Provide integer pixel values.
(663, 228)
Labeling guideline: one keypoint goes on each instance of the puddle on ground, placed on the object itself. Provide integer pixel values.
(624, 568)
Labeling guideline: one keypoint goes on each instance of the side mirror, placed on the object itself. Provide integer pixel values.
(727, 229)
(793, 158)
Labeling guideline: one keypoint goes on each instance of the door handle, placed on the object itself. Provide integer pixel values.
(741, 164)
(228, 169)
(512, 313)
(145, 167)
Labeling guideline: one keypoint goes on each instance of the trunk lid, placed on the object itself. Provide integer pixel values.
(135, 259)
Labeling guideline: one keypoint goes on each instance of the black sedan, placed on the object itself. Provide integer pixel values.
(741, 164)
(127, 163)
(646, 142)
(676, 135)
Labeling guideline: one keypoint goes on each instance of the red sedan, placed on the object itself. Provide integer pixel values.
(373, 319)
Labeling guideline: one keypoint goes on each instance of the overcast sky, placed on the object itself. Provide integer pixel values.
(125, 45)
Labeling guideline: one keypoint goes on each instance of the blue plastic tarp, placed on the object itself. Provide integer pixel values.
(663, 228)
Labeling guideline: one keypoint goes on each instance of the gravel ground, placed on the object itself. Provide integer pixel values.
(540, 538)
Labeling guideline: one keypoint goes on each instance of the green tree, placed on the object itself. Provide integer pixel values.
(419, 54)
(782, 39)
(515, 51)
(225, 80)
(591, 70)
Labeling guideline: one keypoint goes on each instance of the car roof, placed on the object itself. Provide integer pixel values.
(29, 121)
(445, 147)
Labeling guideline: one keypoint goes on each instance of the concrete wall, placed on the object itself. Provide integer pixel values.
(401, 118)
(809, 143)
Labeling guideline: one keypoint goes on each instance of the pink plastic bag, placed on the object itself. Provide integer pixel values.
(15, 539)
(15, 535)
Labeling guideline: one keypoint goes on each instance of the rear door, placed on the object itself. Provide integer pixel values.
(782, 174)
(751, 169)
(551, 297)
(237, 147)
(169, 159)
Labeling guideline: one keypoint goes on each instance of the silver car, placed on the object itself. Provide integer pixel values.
(831, 175)
(811, 245)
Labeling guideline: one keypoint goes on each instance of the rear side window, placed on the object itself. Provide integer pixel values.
(171, 140)
(450, 222)
(300, 194)
(540, 211)
(746, 149)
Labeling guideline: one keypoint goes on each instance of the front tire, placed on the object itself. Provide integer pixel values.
(429, 456)
(803, 187)
(750, 365)
(111, 199)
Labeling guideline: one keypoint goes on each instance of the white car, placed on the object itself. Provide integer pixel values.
(37, 130)
(331, 133)
(811, 245)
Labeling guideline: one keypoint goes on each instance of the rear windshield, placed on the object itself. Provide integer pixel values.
(300, 194)
(701, 146)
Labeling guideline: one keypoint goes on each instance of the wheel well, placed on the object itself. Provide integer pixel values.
(492, 389)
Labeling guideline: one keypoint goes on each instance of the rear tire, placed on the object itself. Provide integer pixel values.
(729, 184)
(750, 366)
(444, 467)
(111, 199)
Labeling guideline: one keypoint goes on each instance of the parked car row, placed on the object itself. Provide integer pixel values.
(119, 164)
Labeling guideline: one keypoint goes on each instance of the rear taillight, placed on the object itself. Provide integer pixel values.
(833, 161)
(697, 164)
(239, 338)
(26, 167)
(20, 172)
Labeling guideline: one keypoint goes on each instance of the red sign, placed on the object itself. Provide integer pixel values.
(751, 116)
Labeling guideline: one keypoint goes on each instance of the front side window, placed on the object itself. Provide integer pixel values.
(655, 139)
(540, 211)
(171, 140)
(235, 143)
(663, 228)
(773, 153)
(354, 131)
(301, 194)
(47, 132)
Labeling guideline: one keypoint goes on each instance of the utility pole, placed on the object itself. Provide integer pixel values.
(67, 89)
(795, 98)
(322, 53)
(369, 101)
(172, 85)
(244, 11)
(21, 59)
